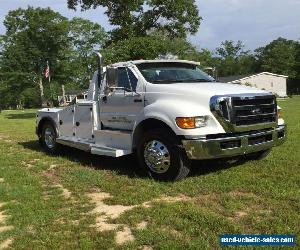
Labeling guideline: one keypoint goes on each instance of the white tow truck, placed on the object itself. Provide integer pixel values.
(167, 112)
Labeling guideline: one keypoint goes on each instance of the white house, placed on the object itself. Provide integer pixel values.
(274, 83)
(72, 96)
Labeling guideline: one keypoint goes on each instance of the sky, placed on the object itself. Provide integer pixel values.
(255, 22)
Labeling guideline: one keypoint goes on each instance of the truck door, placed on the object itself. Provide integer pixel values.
(119, 108)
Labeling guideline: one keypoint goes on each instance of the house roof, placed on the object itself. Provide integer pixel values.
(238, 78)
(232, 78)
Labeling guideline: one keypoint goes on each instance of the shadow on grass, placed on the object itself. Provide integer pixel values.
(20, 116)
(204, 167)
(127, 165)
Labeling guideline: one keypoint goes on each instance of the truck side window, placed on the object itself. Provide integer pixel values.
(123, 80)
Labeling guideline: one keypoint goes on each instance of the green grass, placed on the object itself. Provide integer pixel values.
(219, 197)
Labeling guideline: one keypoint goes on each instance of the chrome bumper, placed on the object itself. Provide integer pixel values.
(234, 145)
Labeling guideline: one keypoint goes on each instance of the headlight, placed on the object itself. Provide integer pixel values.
(191, 122)
(279, 113)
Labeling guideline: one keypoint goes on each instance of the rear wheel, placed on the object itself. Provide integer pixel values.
(48, 138)
(160, 155)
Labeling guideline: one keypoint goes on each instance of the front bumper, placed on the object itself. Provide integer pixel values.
(228, 145)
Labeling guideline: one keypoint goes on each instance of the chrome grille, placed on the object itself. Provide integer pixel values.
(254, 110)
(245, 112)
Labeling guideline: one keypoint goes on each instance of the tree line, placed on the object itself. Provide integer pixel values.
(37, 37)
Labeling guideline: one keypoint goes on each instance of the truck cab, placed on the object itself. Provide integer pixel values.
(167, 113)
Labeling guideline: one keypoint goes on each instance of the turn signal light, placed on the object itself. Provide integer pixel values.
(191, 122)
(185, 122)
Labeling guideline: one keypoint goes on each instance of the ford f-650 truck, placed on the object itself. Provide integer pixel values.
(167, 112)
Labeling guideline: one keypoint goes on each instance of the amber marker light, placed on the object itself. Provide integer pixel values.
(185, 122)
(191, 122)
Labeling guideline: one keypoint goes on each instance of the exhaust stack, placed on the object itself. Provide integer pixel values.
(99, 76)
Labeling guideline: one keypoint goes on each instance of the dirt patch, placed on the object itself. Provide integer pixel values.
(124, 236)
(51, 176)
(238, 215)
(106, 212)
(54, 179)
(6, 228)
(27, 164)
(167, 199)
(31, 229)
(237, 193)
(142, 225)
(5, 244)
(76, 222)
(3, 137)
(52, 167)
(145, 247)
(30, 163)
(3, 216)
(65, 192)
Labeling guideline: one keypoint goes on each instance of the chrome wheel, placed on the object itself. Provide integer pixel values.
(157, 157)
(49, 137)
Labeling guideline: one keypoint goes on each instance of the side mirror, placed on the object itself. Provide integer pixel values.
(112, 77)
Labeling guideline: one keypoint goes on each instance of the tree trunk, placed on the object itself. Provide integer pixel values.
(64, 94)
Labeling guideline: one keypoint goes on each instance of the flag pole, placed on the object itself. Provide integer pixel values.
(49, 78)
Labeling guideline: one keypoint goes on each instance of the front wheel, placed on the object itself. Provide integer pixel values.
(48, 138)
(160, 155)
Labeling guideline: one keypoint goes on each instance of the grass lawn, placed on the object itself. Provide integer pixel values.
(80, 201)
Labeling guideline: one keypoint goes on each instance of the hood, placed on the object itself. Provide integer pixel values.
(208, 89)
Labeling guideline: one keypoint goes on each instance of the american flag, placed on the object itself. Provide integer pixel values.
(47, 71)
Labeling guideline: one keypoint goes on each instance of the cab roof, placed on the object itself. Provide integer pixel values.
(137, 62)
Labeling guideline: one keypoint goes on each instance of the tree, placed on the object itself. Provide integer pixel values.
(86, 37)
(137, 18)
(234, 60)
(33, 37)
(279, 57)
(297, 65)
(149, 47)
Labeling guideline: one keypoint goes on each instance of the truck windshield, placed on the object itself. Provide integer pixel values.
(170, 72)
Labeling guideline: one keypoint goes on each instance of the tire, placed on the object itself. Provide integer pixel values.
(258, 155)
(48, 138)
(159, 154)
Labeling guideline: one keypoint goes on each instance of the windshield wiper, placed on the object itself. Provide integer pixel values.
(165, 81)
(194, 80)
(181, 81)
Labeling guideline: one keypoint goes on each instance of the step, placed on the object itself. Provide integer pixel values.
(114, 139)
(74, 143)
(108, 151)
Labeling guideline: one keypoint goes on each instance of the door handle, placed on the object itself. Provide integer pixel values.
(138, 100)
